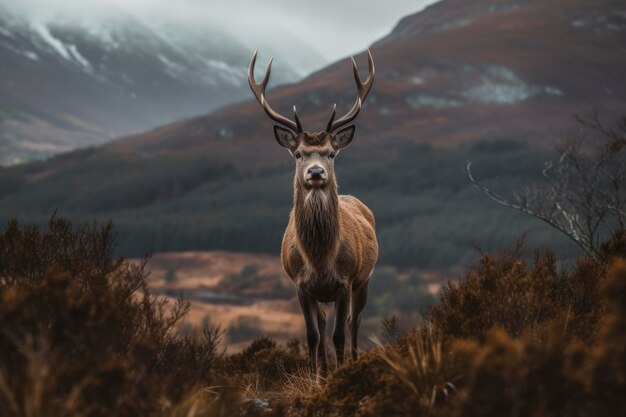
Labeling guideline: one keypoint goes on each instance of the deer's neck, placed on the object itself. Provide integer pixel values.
(317, 223)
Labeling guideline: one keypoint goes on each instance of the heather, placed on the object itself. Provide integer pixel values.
(519, 334)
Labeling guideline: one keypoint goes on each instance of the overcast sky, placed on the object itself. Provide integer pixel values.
(333, 28)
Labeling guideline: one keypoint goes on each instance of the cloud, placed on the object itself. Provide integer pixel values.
(332, 28)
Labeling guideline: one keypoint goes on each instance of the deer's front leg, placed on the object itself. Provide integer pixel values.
(321, 350)
(342, 307)
(309, 310)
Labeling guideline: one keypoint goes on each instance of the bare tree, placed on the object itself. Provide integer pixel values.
(583, 194)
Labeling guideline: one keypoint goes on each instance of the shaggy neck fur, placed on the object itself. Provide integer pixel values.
(317, 223)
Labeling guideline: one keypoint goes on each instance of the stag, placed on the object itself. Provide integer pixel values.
(329, 248)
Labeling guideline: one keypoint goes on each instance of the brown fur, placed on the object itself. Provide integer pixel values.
(329, 248)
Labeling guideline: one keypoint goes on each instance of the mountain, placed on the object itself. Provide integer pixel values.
(492, 81)
(69, 82)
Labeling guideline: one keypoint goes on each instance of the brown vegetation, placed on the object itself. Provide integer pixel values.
(510, 339)
(81, 335)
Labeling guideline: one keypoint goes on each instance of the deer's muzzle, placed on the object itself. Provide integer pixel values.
(315, 175)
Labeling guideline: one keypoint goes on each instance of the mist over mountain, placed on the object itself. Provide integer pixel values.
(491, 81)
(75, 80)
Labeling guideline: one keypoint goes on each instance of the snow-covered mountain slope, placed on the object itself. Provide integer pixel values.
(66, 83)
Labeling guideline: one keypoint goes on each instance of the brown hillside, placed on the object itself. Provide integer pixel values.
(483, 81)
(448, 75)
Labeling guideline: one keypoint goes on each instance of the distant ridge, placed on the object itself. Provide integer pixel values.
(492, 81)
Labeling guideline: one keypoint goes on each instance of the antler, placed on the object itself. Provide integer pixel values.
(362, 88)
(259, 92)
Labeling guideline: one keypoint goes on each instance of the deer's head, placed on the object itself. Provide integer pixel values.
(314, 152)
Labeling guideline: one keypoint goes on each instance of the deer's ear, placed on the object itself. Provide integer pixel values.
(342, 138)
(285, 138)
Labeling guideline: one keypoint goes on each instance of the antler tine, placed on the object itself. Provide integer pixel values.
(363, 89)
(259, 92)
(297, 119)
(254, 86)
(332, 118)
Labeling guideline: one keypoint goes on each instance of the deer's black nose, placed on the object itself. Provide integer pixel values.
(315, 172)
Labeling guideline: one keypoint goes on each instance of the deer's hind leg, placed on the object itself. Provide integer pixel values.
(359, 299)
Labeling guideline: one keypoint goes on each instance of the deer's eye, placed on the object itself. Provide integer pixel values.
(298, 155)
(331, 155)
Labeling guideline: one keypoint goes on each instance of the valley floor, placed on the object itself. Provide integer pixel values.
(249, 295)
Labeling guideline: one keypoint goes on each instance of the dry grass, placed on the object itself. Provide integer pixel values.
(83, 336)
(290, 387)
(513, 338)
(421, 367)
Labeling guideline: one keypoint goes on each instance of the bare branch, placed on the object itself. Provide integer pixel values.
(584, 192)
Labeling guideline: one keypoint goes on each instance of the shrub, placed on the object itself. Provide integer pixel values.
(266, 366)
(82, 335)
(244, 328)
(354, 387)
(513, 338)
(604, 371)
(503, 291)
(545, 374)
(390, 328)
